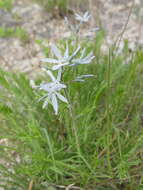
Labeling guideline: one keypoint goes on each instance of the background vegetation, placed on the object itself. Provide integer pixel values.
(60, 5)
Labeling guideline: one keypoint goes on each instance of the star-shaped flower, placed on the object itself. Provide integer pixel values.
(67, 59)
(84, 59)
(52, 91)
(83, 18)
(61, 60)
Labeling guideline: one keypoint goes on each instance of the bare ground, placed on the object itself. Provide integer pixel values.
(112, 15)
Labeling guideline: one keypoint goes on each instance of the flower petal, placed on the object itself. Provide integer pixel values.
(54, 103)
(40, 99)
(78, 17)
(86, 14)
(87, 60)
(32, 84)
(66, 55)
(56, 67)
(75, 52)
(87, 76)
(78, 80)
(94, 29)
(61, 97)
(66, 20)
(45, 104)
(51, 75)
(56, 51)
(89, 55)
(82, 53)
(62, 86)
(59, 74)
(83, 18)
(50, 60)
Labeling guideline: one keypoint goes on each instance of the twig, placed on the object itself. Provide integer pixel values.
(69, 187)
(31, 185)
(118, 41)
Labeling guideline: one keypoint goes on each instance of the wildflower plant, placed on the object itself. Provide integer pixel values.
(58, 88)
(88, 133)
(81, 20)
(53, 88)
(70, 58)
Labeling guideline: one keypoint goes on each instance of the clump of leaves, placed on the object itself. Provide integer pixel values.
(14, 32)
(56, 7)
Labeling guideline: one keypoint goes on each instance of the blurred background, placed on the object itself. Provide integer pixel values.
(25, 23)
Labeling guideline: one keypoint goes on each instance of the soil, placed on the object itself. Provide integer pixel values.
(111, 15)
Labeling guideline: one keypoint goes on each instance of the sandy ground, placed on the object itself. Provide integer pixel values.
(111, 15)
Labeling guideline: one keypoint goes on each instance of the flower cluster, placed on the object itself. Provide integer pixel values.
(82, 19)
(53, 90)
(68, 60)
(61, 61)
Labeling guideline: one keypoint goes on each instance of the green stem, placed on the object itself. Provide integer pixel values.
(108, 111)
(74, 130)
(50, 149)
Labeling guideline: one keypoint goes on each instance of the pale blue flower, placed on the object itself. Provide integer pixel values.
(61, 60)
(52, 91)
(83, 59)
(83, 18)
(68, 60)
(90, 34)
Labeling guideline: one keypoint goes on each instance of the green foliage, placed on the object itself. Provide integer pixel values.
(108, 117)
(14, 32)
(59, 6)
(6, 4)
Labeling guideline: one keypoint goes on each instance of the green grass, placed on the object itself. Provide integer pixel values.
(6, 4)
(55, 6)
(107, 114)
(10, 32)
